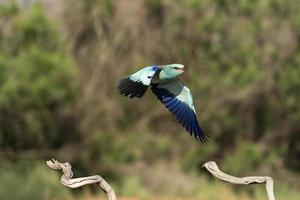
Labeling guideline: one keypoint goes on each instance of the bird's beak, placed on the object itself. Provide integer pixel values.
(184, 68)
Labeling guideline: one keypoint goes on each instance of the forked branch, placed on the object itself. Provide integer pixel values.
(213, 168)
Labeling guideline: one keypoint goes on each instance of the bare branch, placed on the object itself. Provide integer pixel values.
(70, 182)
(213, 168)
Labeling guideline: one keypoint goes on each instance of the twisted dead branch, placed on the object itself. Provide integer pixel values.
(211, 166)
(70, 182)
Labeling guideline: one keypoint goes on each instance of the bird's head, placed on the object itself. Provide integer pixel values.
(171, 71)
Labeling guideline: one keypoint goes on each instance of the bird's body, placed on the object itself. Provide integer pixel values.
(165, 85)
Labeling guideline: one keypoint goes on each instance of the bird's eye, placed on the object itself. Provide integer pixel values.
(177, 68)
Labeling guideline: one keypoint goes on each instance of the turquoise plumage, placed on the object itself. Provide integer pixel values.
(165, 85)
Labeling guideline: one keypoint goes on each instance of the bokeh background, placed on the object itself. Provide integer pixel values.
(60, 62)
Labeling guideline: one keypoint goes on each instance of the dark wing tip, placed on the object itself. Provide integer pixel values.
(184, 114)
(192, 126)
(202, 136)
(130, 88)
(186, 117)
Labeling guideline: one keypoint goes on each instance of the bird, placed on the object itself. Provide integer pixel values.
(169, 90)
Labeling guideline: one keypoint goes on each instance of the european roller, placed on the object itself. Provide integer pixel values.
(165, 85)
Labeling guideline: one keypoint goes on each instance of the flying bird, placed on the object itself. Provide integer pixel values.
(165, 85)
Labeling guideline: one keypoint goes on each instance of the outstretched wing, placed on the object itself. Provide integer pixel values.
(136, 84)
(177, 98)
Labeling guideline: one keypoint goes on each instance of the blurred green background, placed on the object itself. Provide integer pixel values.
(60, 62)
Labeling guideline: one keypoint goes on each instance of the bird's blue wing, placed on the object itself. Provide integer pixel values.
(177, 98)
(136, 84)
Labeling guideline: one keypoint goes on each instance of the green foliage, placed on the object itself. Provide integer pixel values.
(155, 8)
(38, 184)
(196, 155)
(29, 29)
(132, 186)
(37, 77)
(9, 9)
(104, 151)
(245, 158)
(289, 83)
(38, 83)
